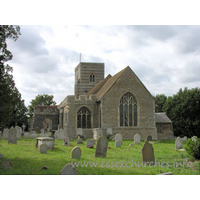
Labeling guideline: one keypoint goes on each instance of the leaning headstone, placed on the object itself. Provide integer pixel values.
(147, 153)
(1, 156)
(68, 169)
(43, 148)
(5, 134)
(79, 141)
(149, 138)
(90, 143)
(118, 143)
(27, 135)
(178, 143)
(76, 152)
(101, 147)
(137, 139)
(118, 137)
(12, 136)
(7, 164)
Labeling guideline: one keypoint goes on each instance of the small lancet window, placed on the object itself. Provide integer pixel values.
(92, 77)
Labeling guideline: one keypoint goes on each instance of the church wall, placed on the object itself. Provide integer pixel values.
(165, 131)
(43, 112)
(128, 82)
(70, 114)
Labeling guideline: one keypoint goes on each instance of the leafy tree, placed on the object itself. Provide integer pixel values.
(160, 100)
(12, 108)
(41, 100)
(184, 111)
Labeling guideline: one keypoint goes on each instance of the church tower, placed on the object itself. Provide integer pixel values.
(87, 75)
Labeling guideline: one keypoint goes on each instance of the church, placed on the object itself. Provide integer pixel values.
(105, 106)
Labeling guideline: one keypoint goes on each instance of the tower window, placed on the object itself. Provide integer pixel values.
(92, 77)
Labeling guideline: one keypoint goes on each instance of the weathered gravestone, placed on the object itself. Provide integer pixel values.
(43, 148)
(118, 143)
(147, 153)
(90, 143)
(79, 141)
(118, 137)
(137, 139)
(68, 169)
(194, 138)
(33, 134)
(184, 138)
(7, 164)
(19, 132)
(178, 143)
(149, 138)
(27, 135)
(76, 152)
(5, 134)
(12, 136)
(101, 147)
(61, 134)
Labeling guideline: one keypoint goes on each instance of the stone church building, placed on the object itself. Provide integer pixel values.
(105, 106)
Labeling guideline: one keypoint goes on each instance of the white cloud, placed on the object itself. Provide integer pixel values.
(165, 58)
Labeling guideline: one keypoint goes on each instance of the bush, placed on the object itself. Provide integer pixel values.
(193, 148)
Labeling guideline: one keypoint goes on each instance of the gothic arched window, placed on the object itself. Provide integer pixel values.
(128, 110)
(92, 77)
(84, 118)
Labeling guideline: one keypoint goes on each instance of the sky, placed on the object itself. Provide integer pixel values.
(165, 58)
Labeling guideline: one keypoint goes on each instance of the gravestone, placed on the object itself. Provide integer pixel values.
(90, 143)
(43, 148)
(12, 136)
(131, 145)
(19, 132)
(149, 138)
(1, 156)
(109, 131)
(33, 134)
(27, 135)
(56, 134)
(23, 128)
(68, 169)
(118, 143)
(7, 164)
(5, 134)
(178, 143)
(184, 138)
(79, 131)
(147, 153)
(118, 137)
(79, 141)
(61, 134)
(66, 141)
(101, 147)
(137, 139)
(194, 138)
(76, 152)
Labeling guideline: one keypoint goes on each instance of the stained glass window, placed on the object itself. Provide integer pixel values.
(84, 118)
(128, 110)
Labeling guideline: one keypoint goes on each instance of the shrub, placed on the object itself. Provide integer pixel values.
(193, 148)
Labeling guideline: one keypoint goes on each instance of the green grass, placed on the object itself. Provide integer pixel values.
(27, 160)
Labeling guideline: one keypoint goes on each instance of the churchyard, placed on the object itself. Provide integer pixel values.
(125, 159)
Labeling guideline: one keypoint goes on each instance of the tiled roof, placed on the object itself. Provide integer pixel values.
(162, 118)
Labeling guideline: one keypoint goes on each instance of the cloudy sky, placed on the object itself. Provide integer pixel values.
(165, 58)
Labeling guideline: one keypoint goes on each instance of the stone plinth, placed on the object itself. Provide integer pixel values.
(45, 140)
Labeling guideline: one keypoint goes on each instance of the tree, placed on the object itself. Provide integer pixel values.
(41, 100)
(12, 108)
(184, 111)
(160, 100)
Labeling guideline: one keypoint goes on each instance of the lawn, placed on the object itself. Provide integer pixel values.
(125, 160)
